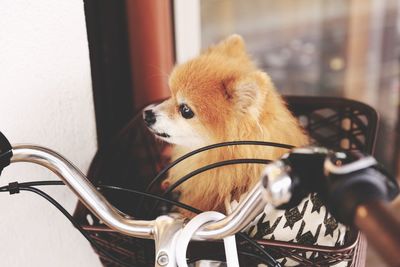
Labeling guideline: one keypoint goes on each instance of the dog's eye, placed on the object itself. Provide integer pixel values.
(185, 111)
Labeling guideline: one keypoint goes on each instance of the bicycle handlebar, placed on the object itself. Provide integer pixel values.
(345, 179)
(247, 210)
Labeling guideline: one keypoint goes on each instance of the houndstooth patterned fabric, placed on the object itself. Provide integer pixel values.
(309, 223)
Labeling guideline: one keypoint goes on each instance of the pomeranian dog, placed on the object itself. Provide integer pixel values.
(216, 97)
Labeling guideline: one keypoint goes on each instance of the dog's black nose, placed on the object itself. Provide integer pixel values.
(149, 117)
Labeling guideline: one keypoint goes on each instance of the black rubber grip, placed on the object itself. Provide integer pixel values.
(5, 152)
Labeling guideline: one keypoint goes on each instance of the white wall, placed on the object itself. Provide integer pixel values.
(46, 99)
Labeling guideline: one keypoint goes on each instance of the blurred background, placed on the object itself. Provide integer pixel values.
(74, 72)
(331, 48)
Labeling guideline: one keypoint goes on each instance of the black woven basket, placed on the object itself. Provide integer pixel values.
(135, 157)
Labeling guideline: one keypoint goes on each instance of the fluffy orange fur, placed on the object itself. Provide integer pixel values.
(232, 100)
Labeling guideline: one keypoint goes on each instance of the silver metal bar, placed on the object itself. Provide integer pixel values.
(242, 215)
(84, 189)
(246, 211)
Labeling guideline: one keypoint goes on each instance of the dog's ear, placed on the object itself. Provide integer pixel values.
(248, 92)
(232, 46)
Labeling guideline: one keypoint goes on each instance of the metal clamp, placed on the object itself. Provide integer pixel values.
(166, 228)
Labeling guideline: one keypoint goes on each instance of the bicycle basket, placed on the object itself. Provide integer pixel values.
(134, 157)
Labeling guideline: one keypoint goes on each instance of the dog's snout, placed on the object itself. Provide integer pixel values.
(149, 117)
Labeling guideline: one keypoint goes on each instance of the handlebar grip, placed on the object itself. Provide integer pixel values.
(345, 193)
(5, 152)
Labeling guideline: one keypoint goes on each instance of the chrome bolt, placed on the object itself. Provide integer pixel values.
(162, 259)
